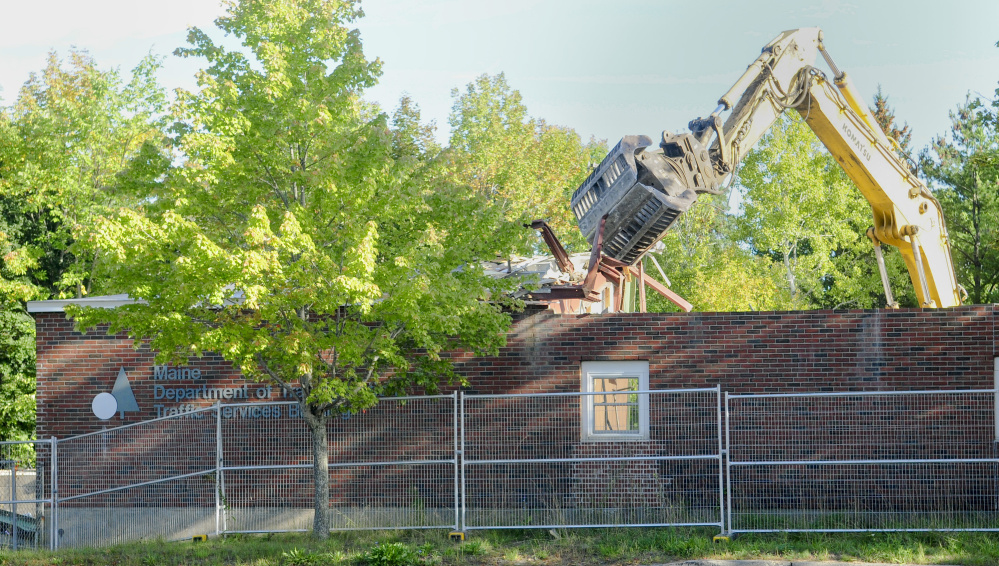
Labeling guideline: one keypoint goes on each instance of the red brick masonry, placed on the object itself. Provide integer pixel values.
(755, 352)
(759, 352)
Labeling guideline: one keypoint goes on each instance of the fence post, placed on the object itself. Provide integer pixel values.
(455, 431)
(721, 462)
(54, 503)
(218, 467)
(728, 462)
(13, 507)
(461, 453)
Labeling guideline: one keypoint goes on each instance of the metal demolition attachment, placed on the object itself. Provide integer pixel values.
(642, 192)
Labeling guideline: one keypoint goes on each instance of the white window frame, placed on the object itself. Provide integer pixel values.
(615, 369)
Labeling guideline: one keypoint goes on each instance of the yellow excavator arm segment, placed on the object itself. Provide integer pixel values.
(636, 194)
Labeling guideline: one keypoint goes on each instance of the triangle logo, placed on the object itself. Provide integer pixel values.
(122, 393)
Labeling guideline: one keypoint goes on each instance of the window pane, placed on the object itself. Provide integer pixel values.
(613, 410)
(609, 384)
(615, 413)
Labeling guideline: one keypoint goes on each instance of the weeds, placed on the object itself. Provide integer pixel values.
(296, 557)
(391, 554)
(580, 546)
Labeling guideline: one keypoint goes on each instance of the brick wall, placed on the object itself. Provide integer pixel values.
(755, 352)
(72, 368)
(759, 352)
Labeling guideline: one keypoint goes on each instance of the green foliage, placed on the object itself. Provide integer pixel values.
(706, 265)
(17, 375)
(581, 546)
(801, 212)
(391, 554)
(885, 115)
(525, 165)
(296, 557)
(964, 170)
(341, 245)
(306, 239)
(66, 145)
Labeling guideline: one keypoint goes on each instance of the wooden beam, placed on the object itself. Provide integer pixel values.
(642, 305)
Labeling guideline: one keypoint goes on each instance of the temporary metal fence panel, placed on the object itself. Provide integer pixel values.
(392, 466)
(150, 480)
(25, 494)
(526, 464)
(920, 460)
(879, 461)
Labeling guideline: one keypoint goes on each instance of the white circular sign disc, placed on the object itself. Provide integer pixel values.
(104, 406)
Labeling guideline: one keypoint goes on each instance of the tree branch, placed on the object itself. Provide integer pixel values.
(300, 397)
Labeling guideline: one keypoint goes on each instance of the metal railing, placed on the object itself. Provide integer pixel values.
(148, 480)
(247, 468)
(858, 461)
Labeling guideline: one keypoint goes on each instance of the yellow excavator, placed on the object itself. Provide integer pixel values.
(631, 199)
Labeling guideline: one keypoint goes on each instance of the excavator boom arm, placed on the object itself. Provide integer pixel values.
(641, 192)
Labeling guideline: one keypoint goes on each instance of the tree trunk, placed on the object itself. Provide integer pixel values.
(320, 476)
(790, 275)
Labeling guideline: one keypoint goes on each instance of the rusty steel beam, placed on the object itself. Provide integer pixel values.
(589, 283)
(602, 269)
(558, 251)
(666, 292)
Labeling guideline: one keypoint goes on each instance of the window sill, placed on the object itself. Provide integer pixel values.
(616, 438)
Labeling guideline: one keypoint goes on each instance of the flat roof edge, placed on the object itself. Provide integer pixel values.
(102, 302)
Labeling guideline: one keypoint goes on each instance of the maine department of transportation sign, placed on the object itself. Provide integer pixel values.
(183, 391)
(120, 400)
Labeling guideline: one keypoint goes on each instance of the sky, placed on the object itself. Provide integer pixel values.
(605, 68)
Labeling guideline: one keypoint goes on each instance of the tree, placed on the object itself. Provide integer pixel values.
(17, 375)
(302, 237)
(707, 266)
(885, 115)
(524, 164)
(71, 135)
(801, 211)
(65, 146)
(964, 169)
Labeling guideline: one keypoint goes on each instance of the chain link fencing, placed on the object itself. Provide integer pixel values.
(392, 466)
(149, 480)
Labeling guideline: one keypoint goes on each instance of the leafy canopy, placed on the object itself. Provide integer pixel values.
(706, 265)
(304, 236)
(885, 115)
(526, 166)
(65, 150)
(801, 211)
(66, 146)
(964, 169)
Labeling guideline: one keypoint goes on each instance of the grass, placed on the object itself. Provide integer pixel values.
(531, 547)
